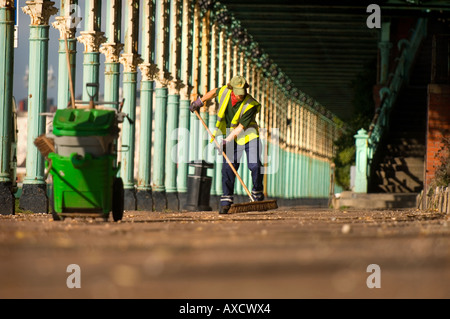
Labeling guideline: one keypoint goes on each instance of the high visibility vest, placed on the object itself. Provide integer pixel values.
(247, 104)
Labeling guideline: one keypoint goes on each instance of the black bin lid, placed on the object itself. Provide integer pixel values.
(202, 164)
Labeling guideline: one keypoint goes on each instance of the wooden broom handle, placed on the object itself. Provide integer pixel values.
(72, 93)
(226, 157)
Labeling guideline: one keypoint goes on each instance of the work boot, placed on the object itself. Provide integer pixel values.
(224, 209)
(258, 196)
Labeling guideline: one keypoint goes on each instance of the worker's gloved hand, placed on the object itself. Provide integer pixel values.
(196, 105)
(222, 147)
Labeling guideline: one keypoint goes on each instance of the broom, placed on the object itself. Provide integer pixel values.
(69, 70)
(242, 207)
(45, 146)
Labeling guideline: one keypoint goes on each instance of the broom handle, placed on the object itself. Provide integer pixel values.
(72, 94)
(226, 157)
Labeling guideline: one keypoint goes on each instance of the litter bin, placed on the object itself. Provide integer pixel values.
(199, 187)
(83, 164)
(84, 131)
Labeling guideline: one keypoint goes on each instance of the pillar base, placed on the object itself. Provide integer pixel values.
(173, 202)
(182, 200)
(129, 199)
(144, 200)
(214, 202)
(160, 201)
(34, 198)
(7, 199)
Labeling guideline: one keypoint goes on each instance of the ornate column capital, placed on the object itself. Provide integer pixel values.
(130, 61)
(92, 40)
(149, 71)
(163, 79)
(185, 92)
(175, 86)
(61, 25)
(7, 4)
(39, 11)
(111, 51)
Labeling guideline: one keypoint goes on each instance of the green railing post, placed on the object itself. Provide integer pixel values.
(7, 201)
(112, 49)
(183, 149)
(184, 113)
(144, 195)
(67, 28)
(144, 186)
(195, 72)
(130, 60)
(128, 140)
(34, 189)
(159, 189)
(63, 73)
(211, 153)
(385, 47)
(162, 81)
(361, 161)
(92, 38)
(173, 104)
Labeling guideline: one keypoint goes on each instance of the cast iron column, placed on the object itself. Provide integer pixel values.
(361, 161)
(183, 119)
(112, 49)
(148, 70)
(92, 38)
(173, 104)
(212, 155)
(130, 59)
(66, 24)
(194, 122)
(34, 189)
(7, 200)
(162, 81)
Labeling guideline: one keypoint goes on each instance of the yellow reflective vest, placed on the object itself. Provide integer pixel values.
(252, 131)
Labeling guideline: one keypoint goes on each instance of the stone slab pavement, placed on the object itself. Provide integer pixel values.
(288, 253)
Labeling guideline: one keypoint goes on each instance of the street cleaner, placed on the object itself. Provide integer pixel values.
(236, 121)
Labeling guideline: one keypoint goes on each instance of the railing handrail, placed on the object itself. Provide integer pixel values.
(395, 82)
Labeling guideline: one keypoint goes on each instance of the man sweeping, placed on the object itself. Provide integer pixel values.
(236, 121)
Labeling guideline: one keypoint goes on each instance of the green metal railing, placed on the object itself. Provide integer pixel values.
(187, 47)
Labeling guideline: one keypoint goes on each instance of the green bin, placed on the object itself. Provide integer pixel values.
(83, 165)
(84, 122)
(82, 183)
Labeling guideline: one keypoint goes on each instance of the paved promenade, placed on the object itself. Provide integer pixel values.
(296, 252)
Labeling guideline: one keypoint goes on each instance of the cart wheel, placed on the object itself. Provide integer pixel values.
(118, 199)
(51, 204)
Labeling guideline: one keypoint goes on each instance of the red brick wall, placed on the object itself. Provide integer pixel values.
(438, 126)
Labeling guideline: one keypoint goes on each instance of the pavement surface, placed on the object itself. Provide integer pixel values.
(288, 253)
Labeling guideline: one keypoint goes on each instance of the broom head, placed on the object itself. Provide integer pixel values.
(45, 145)
(261, 206)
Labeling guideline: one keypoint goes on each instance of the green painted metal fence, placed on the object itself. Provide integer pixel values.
(186, 50)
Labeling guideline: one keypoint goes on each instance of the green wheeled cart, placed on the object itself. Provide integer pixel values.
(85, 186)
(83, 165)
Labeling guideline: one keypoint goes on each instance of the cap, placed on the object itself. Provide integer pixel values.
(238, 83)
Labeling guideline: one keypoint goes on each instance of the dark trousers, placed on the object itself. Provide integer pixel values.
(234, 153)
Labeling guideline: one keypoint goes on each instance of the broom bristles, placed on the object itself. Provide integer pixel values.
(45, 145)
(261, 206)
